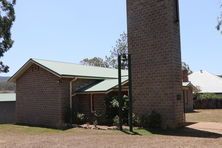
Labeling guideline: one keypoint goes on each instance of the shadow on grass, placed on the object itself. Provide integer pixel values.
(187, 132)
(194, 111)
(183, 132)
(126, 131)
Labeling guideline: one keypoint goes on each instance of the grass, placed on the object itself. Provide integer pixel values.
(9, 128)
(197, 116)
(26, 136)
(207, 115)
(140, 131)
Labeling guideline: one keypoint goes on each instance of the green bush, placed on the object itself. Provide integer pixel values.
(112, 109)
(136, 120)
(116, 120)
(81, 118)
(155, 120)
(209, 96)
(99, 119)
(152, 120)
(145, 121)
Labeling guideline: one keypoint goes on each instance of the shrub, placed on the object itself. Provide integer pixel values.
(99, 119)
(81, 118)
(116, 120)
(136, 120)
(152, 120)
(112, 109)
(155, 120)
(209, 96)
(145, 121)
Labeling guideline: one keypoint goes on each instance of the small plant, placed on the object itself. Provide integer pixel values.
(116, 120)
(145, 121)
(81, 118)
(155, 120)
(99, 119)
(115, 102)
(112, 109)
(152, 120)
(136, 120)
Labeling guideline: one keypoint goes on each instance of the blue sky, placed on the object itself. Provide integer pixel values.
(71, 30)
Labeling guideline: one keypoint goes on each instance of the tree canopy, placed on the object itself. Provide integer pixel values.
(96, 61)
(110, 61)
(120, 48)
(185, 66)
(219, 24)
(7, 17)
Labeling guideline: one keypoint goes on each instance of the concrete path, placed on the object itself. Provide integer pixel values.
(207, 126)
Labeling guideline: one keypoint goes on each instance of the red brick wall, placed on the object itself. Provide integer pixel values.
(185, 75)
(43, 98)
(188, 99)
(99, 103)
(40, 98)
(85, 104)
(7, 112)
(154, 42)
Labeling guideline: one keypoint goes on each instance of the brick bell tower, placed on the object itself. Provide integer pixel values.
(154, 42)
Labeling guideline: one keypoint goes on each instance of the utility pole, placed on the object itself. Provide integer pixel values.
(130, 94)
(120, 93)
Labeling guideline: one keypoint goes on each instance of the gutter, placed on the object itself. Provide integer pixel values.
(70, 97)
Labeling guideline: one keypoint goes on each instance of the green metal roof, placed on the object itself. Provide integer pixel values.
(70, 69)
(105, 85)
(63, 69)
(7, 97)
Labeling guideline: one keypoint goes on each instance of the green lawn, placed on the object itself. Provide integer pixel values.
(196, 116)
(9, 128)
(25, 136)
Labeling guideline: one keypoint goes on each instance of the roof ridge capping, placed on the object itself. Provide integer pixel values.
(209, 73)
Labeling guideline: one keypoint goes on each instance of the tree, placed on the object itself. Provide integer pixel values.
(187, 67)
(111, 61)
(7, 17)
(121, 48)
(219, 24)
(96, 61)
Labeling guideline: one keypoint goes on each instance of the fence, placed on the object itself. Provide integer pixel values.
(208, 104)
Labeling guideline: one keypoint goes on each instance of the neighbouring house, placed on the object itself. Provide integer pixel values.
(206, 82)
(7, 107)
(46, 91)
(209, 90)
